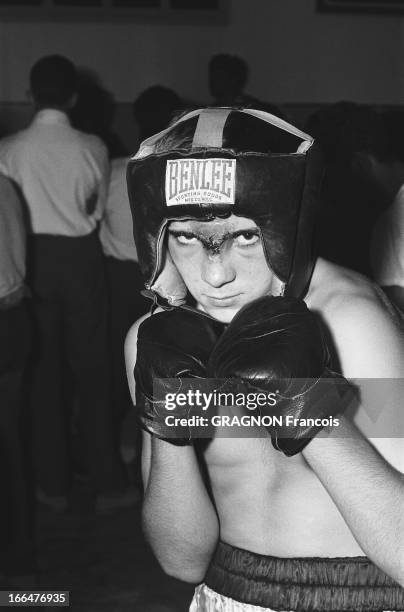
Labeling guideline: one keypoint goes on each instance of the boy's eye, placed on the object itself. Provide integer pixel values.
(247, 239)
(186, 238)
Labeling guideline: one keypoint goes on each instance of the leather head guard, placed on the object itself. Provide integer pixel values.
(220, 161)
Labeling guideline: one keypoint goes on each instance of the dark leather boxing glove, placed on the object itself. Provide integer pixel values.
(173, 344)
(276, 345)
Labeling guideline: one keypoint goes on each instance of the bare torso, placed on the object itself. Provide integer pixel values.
(274, 505)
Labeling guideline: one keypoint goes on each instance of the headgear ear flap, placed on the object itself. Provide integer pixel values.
(220, 161)
(169, 283)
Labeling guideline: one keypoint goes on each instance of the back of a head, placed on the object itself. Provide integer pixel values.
(364, 131)
(325, 126)
(53, 81)
(228, 75)
(394, 125)
(95, 106)
(154, 109)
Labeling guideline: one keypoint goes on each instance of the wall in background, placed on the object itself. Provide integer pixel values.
(294, 53)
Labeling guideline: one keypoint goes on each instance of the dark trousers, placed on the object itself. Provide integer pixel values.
(67, 279)
(126, 306)
(16, 533)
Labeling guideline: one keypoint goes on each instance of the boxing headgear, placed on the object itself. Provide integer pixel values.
(216, 162)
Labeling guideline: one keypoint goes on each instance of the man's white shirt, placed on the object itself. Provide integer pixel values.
(12, 240)
(116, 231)
(387, 246)
(60, 171)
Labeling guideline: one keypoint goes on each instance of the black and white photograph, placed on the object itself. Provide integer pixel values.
(202, 305)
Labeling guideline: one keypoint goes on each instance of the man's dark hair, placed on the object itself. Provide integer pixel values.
(232, 65)
(394, 126)
(364, 130)
(326, 123)
(346, 128)
(154, 109)
(53, 81)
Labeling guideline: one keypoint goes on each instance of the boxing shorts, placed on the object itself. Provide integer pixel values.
(241, 581)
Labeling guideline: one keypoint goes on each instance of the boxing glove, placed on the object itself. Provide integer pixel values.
(276, 345)
(172, 344)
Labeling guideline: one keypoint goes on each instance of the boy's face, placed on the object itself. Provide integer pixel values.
(222, 263)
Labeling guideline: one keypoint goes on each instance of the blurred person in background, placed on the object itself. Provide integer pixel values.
(154, 108)
(94, 111)
(63, 176)
(349, 205)
(387, 245)
(371, 144)
(152, 111)
(17, 558)
(228, 77)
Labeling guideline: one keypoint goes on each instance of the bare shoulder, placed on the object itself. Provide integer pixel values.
(131, 338)
(368, 340)
(333, 286)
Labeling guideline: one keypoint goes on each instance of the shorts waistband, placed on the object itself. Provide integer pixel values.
(304, 584)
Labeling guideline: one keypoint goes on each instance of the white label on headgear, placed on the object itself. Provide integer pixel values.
(205, 181)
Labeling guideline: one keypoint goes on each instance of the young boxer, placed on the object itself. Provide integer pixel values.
(224, 203)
